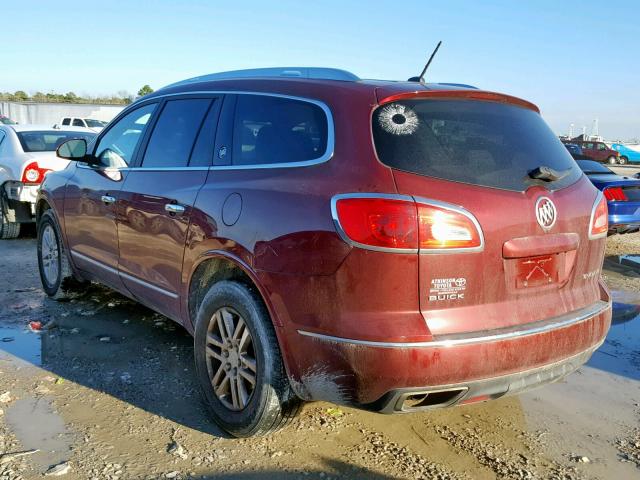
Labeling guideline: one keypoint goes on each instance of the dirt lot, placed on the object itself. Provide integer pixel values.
(108, 392)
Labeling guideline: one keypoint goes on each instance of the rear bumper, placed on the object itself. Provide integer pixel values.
(461, 368)
(21, 193)
(410, 399)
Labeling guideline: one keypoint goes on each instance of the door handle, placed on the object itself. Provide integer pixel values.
(174, 208)
(108, 200)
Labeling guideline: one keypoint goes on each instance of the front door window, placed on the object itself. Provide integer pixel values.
(118, 146)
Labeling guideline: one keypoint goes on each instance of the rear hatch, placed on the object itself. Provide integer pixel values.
(494, 157)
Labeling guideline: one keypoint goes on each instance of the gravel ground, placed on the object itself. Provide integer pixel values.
(108, 392)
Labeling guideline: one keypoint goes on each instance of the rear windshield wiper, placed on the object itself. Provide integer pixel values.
(548, 174)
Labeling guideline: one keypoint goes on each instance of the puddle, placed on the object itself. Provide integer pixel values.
(37, 426)
(620, 353)
(22, 344)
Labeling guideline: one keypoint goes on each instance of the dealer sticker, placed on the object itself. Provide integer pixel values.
(447, 289)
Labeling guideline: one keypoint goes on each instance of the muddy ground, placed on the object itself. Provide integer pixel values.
(108, 392)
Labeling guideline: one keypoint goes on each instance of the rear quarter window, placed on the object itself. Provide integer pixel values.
(476, 142)
(272, 130)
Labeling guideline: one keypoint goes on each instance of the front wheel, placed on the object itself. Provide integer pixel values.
(612, 160)
(56, 274)
(239, 365)
(623, 160)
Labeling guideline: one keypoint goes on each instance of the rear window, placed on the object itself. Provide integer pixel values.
(269, 130)
(48, 141)
(476, 142)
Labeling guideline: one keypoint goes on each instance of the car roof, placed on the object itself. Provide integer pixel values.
(326, 82)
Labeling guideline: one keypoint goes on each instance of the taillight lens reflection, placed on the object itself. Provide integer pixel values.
(599, 218)
(394, 224)
(444, 228)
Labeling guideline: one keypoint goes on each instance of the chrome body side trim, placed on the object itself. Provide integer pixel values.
(325, 157)
(122, 274)
(500, 334)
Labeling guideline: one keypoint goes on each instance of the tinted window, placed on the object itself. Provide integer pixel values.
(94, 123)
(66, 121)
(174, 134)
(202, 153)
(78, 122)
(46, 141)
(589, 166)
(481, 143)
(117, 147)
(277, 130)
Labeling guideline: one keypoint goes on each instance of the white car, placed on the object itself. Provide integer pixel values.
(88, 123)
(27, 153)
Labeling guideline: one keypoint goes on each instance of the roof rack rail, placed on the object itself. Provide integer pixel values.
(317, 73)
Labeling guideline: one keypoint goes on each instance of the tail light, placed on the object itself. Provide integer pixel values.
(599, 224)
(615, 194)
(400, 224)
(33, 173)
(442, 227)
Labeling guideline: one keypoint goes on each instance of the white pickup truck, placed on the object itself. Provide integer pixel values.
(89, 123)
(27, 153)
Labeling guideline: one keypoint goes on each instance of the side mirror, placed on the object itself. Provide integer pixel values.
(75, 149)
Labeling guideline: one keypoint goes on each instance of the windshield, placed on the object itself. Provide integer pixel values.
(94, 123)
(48, 141)
(591, 167)
(476, 142)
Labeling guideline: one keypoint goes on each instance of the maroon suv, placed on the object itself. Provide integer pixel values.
(394, 246)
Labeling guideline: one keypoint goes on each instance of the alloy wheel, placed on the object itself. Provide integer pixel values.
(231, 360)
(50, 255)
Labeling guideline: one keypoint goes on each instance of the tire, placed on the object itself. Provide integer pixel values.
(623, 160)
(56, 274)
(270, 403)
(612, 160)
(8, 230)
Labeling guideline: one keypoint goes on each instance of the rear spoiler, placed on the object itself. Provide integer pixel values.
(460, 94)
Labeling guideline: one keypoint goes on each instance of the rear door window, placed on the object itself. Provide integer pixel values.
(273, 130)
(174, 134)
(475, 142)
(77, 122)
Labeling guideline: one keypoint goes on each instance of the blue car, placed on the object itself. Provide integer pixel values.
(628, 153)
(622, 194)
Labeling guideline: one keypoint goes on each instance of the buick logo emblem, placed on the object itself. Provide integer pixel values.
(546, 213)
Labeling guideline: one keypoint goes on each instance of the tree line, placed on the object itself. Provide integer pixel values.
(121, 98)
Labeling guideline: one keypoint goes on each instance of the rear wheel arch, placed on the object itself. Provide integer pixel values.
(216, 267)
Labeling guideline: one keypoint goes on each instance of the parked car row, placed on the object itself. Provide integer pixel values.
(598, 151)
(374, 244)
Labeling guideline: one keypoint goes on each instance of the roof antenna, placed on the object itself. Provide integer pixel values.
(424, 70)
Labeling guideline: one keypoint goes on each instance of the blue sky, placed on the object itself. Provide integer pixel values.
(578, 60)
